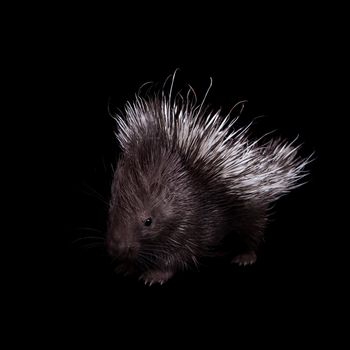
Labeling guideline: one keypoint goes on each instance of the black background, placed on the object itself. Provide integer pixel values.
(287, 69)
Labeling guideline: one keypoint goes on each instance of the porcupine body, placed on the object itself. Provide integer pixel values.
(189, 185)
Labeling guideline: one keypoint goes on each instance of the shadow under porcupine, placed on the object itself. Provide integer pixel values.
(188, 185)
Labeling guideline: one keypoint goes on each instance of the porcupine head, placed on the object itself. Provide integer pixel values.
(188, 185)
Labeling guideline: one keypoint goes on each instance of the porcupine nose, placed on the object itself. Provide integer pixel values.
(124, 250)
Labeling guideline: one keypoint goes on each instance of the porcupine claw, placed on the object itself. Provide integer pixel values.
(245, 259)
(156, 277)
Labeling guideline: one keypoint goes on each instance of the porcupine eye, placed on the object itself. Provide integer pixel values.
(148, 222)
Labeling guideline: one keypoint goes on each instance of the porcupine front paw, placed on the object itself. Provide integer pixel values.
(244, 259)
(156, 277)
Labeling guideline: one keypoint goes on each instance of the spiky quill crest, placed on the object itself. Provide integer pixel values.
(251, 169)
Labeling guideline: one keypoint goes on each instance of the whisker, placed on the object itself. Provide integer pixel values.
(89, 229)
(88, 238)
(92, 245)
(96, 194)
(153, 251)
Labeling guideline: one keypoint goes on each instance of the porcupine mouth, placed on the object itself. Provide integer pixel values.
(134, 264)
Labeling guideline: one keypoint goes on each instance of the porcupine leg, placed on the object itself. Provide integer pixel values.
(247, 256)
(249, 243)
(154, 277)
(250, 237)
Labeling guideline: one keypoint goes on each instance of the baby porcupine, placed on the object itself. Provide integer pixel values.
(189, 185)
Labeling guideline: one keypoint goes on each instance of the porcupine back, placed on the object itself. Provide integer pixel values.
(251, 169)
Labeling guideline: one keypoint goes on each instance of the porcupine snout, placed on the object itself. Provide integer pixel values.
(124, 248)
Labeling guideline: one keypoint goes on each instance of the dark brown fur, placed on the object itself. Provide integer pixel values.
(192, 214)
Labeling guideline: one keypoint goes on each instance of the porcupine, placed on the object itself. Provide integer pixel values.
(189, 185)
